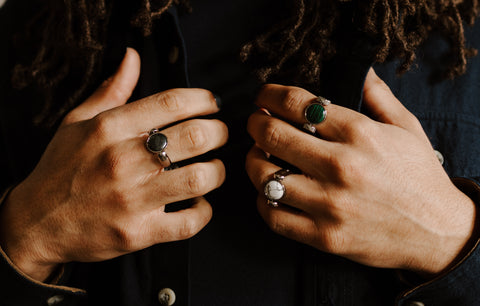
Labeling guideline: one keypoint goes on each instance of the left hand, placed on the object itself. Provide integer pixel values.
(370, 190)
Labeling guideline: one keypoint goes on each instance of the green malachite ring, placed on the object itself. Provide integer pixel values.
(315, 113)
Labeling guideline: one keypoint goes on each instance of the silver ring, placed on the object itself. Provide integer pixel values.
(156, 143)
(315, 113)
(323, 101)
(274, 189)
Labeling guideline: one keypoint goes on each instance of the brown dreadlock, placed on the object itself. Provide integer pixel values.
(73, 39)
(397, 26)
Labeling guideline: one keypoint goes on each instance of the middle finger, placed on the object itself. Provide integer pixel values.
(185, 140)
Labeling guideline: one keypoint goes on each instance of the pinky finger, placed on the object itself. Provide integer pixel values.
(180, 225)
(286, 221)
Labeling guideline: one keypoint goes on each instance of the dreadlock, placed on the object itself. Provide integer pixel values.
(71, 46)
(73, 39)
(397, 26)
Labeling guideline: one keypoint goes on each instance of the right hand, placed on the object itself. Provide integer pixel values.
(97, 193)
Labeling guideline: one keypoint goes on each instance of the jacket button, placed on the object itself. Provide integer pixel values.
(173, 55)
(55, 300)
(166, 297)
(440, 157)
(416, 303)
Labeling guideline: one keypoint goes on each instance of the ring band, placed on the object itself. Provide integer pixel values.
(156, 143)
(315, 113)
(164, 159)
(274, 189)
(323, 101)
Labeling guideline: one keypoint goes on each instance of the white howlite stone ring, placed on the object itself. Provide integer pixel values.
(274, 189)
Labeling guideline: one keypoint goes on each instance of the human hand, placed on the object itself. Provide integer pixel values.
(370, 190)
(97, 193)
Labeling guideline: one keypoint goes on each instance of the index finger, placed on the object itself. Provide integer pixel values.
(164, 108)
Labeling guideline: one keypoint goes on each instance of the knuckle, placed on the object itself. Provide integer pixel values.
(171, 101)
(293, 99)
(197, 181)
(337, 161)
(368, 133)
(124, 238)
(196, 135)
(272, 135)
(332, 241)
(345, 166)
(358, 128)
(188, 228)
(120, 198)
(275, 224)
(113, 162)
(110, 161)
(103, 125)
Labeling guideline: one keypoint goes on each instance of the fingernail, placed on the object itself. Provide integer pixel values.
(265, 111)
(218, 100)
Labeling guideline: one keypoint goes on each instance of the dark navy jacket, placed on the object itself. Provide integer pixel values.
(236, 259)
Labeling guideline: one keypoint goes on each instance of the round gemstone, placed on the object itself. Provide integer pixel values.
(156, 142)
(315, 113)
(274, 190)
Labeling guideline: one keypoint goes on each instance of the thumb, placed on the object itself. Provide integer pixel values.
(113, 92)
(385, 107)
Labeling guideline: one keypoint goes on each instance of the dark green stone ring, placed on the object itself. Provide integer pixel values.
(315, 113)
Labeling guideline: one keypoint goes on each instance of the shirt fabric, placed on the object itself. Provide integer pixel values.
(236, 259)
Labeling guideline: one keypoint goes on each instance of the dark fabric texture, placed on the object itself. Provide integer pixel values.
(236, 259)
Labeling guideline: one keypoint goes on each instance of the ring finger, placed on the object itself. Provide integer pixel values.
(300, 191)
(194, 137)
(184, 140)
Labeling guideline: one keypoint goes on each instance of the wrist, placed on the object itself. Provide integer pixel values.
(459, 235)
(18, 246)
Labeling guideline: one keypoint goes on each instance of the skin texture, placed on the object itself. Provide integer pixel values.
(97, 193)
(371, 189)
